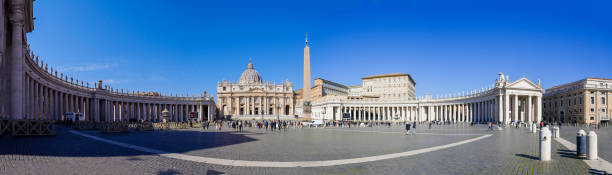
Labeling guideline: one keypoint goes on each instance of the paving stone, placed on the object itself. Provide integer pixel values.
(509, 151)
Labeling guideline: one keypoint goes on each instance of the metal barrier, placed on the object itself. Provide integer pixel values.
(32, 127)
(5, 126)
(20, 127)
(113, 127)
(170, 126)
(146, 126)
(85, 125)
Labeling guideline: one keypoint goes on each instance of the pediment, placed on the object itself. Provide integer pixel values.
(523, 83)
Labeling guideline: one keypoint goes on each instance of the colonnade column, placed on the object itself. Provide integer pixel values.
(16, 74)
(479, 112)
(515, 113)
(529, 110)
(538, 113)
(500, 107)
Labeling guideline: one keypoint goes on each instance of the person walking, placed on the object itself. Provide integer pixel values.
(266, 125)
(407, 128)
(429, 125)
(240, 126)
(414, 124)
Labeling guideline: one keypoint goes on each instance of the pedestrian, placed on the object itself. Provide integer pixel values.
(414, 127)
(240, 126)
(407, 128)
(429, 125)
(266, 125)
(541, 124)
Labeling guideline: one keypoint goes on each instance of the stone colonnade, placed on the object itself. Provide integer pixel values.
(498, 105)
(49, 97)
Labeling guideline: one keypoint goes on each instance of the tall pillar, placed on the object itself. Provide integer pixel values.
(500, 111)
(461, 110)
(16, 59)
(114, 110)
(486, 109)
(446, 113)
(538, 112)
(515, 113)
(30, 97)
(529, 110)
(478, 112)
(306, 79)
(455, 113)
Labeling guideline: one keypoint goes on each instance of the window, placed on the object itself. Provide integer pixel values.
(592, 118)
(603, 100)
(574, 101)
(592, 109)
(580, 100)
(592, 100)
(223, 88)
(569, 103)
(603, 110)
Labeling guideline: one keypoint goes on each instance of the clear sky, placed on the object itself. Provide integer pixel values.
(447, 46)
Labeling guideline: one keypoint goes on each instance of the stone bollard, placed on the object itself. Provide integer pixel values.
(591, 146)
(534, 128)
(581, 144)
(556, 132)
(545, 142)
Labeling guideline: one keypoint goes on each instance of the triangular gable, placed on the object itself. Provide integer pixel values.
(523, 83)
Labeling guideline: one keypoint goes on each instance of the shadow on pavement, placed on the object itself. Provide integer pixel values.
(597, 172)
(527, 156)
(567, 153)
(213, 172)
(168, 172)
(72, 145)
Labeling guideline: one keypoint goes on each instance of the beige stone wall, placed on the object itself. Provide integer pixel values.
(585, 101)
(399, 87)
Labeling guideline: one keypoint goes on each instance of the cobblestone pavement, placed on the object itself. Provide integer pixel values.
(604, 138)
(509, 151)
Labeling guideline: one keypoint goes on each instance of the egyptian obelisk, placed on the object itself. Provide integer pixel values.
(306, 96)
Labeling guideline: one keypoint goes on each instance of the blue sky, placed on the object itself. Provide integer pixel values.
(447, 46)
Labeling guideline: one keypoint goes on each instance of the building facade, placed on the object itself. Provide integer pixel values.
(31, 89)
(504, 102)
(586, 101)
(251, 98)
(396, 86)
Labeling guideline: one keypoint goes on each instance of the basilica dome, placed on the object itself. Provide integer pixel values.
(250, 76)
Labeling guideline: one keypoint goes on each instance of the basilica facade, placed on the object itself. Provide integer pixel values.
(252, 98)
